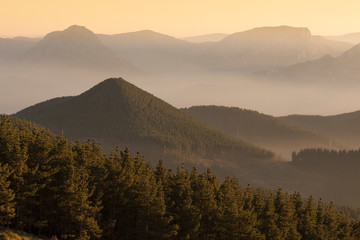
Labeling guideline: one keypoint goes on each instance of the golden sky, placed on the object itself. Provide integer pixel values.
(180, 18)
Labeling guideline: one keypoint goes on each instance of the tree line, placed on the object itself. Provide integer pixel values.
(54, 188)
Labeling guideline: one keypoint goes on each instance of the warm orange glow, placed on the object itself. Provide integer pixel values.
(177, 18)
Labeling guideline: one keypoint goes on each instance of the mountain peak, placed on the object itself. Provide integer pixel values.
(77, 28)
(77, 46)
(117, 112)
(72, 35)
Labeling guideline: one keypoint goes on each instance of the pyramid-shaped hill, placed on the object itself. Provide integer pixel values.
(76, 46)
(118, 113)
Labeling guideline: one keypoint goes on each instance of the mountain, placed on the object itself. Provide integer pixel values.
(13, 47)
(260, 129)
(344, 127)
(270, 47)
(341, 69)
(76, 47)
(353, 38)
(330, 47)
(214, 37)
(118, 113)
(151, 51)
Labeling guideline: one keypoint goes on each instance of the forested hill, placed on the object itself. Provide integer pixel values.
(118, 113)
(263, 130)
(337, 172)
(62, 190)
(344, 127)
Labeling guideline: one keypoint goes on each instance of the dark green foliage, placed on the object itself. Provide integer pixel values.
(344, 127)
(54, 188)
(263, 130)
(337, 171)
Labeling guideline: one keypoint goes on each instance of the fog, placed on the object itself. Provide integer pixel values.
(26, 86)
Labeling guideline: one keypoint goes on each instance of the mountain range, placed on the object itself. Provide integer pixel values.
(151, 51)
(271, 47)
(117, 113)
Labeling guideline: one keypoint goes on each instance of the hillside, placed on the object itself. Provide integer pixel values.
(344, 127)
(260, 129)
(118, 113)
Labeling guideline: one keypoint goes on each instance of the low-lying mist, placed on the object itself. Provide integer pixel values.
(276, 98)
(26, 86)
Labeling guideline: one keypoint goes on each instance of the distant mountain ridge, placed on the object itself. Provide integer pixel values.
(76, 46)
(152, 51)
(118, 113)
(260, 129)
(353, 38)
(214, 37)
(344, 68)
(270, 47)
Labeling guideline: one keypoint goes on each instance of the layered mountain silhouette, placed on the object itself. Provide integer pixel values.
(260, 129)
(353, 38)
(344, 127)
(344, 68)
(270, 47)
(77, 47)
(13, 47)
(118, 113)
(151, 51)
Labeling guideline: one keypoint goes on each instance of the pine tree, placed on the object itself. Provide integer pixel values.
(285, 217)
(185, 216)
(204, 189)
(268, 220)
(229, 202)
(307, 226)
(7, 210)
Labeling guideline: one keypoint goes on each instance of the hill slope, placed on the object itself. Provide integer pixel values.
(344, 127)
(260, 129)
(116, 112)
